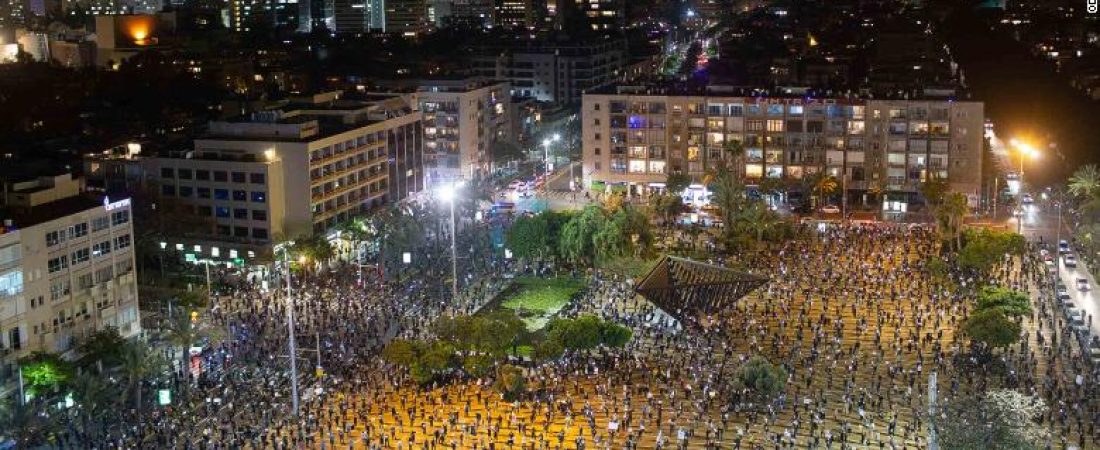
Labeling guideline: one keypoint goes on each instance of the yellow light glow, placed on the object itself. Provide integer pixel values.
(302, 259)
(269, 154)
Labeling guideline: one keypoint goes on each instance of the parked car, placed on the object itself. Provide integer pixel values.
(1082, 284)
(1071, 311)
(830, 209)
(1063, 246)
(1065, 299)
(1070, 261)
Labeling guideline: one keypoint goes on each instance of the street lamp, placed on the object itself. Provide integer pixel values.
(290, 332)
(1025, 151)
(546, 157)
(448, 194)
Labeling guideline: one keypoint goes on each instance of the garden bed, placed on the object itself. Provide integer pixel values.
(536, 300)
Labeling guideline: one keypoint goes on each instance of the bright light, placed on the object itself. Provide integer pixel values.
(546, 142)
(269, 154)
(302, 259)
(447, 193)
(557, 137)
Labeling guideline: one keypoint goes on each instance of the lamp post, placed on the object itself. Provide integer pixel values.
(448, 194)
(546, 158)
(1025, 151)
(290, 334)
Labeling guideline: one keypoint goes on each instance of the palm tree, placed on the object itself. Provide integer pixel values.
(139, 362)
(728, 195)
(182, 334)
(94, 398)
(952, 211)
(1085, 182)
(29, 425)
(758, 219)
(823, 185)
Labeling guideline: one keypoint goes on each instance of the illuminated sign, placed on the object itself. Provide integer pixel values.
(110, 206)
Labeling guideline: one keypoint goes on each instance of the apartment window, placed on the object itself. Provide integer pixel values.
(775, 126)
(186, 191)
(105, 274)
(223, 230)
(257, 178)
(101, 249)
(167, 172)
(240, 196)
(205, 211)
(221, 194)
(81, 255)
(597, 151)
(203, 192)
(259, 233)
(259, 196)
(184, 174)
(122, 242)
(55, 237)
(203, 175)
(11, 283)
(57, 264)
(240, 213)
(59, 289)
(100, 223)
(241, 232)
(238, 177)
(120, 217)
(84, 281)
(259, 214)
(78, 230)
(220, 176)
(168, 190)
(222, 212)
(124, 267)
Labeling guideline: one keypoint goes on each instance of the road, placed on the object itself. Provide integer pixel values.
(1041, 224)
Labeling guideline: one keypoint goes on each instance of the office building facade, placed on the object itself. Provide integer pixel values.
(555, 72)
(871, 146)
(297, 170)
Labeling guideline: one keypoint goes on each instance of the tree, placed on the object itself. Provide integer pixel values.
(45, 372)
(100, 347)
(28, 424)
(529, 236)
(576, 245)
(760, 376)
(510, 382)
(547, 350)
(950, 214)
(93, 396)
(1085, 182)
(182, 334)
(757, 219)
(1011, 302)
(728, 195)
(991, 328)
(984, 248)
(823, 185)
(401, 352)
(139, 362)
(668, 207)
(582, 333)
(676, 183)
(614, 335)
(998, 419)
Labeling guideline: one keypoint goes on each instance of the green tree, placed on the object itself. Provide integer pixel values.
(668, 207)
(757, 220)
(510, 382)
(45, 372)
(823, 186)
(614, 335)
(582, 333)
(547, 350)
(1085, 182)
(529, 236)
(139, 362)
(505, 152)
(94, 397)
(676, 183)
(760, 376)
(182, 335)
(1011, 302)
(576, 244)
(728, 195)
(401, 352)
(29, 425)
(101, 347)
(950, 214)
(991, 328)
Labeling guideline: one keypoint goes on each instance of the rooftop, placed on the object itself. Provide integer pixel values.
(29, 217)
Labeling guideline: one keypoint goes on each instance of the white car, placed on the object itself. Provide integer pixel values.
(1063, 246)
(830, 209)
(1082, 284)
(1070, 261)
(1028, 199)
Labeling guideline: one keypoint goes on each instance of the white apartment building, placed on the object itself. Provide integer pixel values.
(66, 268)
(463, 118)
(632, 142)
(298, 168)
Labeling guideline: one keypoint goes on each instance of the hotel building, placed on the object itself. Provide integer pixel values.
(633, 138)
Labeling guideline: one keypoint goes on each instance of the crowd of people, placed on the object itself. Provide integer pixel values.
(851, 313)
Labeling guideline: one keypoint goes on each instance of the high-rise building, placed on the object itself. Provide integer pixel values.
(519, 13)
(476, 13)
(463, 118)
(316, 15)
(298, 167)
(66, 268)
(552, 71)
(407, 17)
(359, 16)
(634, 137)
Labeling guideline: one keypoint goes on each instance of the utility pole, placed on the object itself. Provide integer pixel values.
(22, 395)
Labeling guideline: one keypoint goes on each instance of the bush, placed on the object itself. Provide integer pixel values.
(992, 328)
(587, 332)
(761, 377)
(548, 350)
(614, 335)
(510, 382)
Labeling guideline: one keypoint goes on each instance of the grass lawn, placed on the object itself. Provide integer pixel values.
(536, 300)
